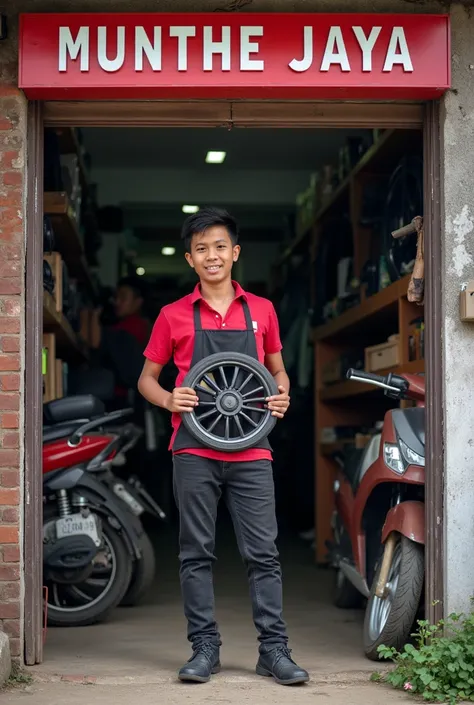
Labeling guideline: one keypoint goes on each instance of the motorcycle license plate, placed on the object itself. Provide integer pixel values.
(76, 524)
(136, 508)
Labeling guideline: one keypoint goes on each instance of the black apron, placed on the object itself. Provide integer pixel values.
(208, 342)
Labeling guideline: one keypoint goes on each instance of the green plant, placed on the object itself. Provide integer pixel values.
(439, 666)
(18, 676)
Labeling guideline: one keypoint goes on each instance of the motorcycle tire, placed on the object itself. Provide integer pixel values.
(143, 574)
(100, 610)
(346, 596)
(408, 568)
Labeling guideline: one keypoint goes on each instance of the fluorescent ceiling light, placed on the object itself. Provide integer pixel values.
(190, 209)
(215, 157)
(140, 271)
(168, 251)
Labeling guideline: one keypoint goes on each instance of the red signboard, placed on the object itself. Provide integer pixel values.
(235, 56)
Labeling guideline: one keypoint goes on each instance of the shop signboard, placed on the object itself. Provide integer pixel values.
(314, 56)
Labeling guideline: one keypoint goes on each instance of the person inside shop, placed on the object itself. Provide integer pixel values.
(219, 316)
(128, 308)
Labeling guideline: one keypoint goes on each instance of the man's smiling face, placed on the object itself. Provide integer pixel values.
(213, 254)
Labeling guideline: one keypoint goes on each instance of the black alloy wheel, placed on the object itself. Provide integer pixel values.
(232, 414)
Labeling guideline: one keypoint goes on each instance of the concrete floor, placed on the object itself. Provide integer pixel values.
(141, 648)
(150, 641)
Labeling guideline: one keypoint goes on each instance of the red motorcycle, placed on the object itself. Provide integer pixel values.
(93, 546)
(379, 521)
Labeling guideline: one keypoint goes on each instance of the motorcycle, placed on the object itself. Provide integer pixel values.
(93, 545)
(379, 521)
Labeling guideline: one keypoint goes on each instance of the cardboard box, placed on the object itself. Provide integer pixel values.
(384, 356)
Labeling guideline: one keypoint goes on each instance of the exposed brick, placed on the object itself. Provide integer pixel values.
(15, 647)
(13, 197)
(9, 458)
(11, 307)
(11, 554)
(9, 363)
(9, 402)
(8, 534)
(9, 497)
(10, 571)
(11, 627)
(10, 591)
(11, 440)
(10, 159)
(5, 124)
(12, 252)
(10, 286)
(9, 420)
(10, 478)
(10, 344)
(9, 325)
(11, 515)
(12, 178)
(9, 383)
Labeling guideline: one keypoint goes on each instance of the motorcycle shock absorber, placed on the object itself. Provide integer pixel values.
(63, 504)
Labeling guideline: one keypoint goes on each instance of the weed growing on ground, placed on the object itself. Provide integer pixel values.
(18, 676)
(439, 666)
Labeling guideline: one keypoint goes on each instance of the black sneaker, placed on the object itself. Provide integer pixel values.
(278, 664)
(203, 663)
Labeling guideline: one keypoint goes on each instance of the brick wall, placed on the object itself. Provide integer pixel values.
(12, 131)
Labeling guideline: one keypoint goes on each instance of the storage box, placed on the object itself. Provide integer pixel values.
(384, 356)
(56, 263)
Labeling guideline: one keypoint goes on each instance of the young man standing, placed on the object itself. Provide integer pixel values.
(219, 316)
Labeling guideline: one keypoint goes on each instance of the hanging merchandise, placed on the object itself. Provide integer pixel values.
(404, 202)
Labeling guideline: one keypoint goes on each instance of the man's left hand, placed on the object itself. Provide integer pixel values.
(279, 403)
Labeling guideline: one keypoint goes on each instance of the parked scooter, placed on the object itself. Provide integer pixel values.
(92, 543)
(379, 521)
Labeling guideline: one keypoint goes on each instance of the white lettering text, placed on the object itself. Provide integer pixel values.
(79, 46)
(211, 47)
(367, 45)
(247, 47)
(397, 52)
(143, 46)
(183, 34)
(110, 65)
(306, 62)
(335, 52)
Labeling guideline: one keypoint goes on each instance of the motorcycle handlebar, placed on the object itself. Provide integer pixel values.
(393, 385)
(75, 439)
(362, 375)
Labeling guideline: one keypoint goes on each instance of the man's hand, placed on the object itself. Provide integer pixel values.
(182, 399)
(279, 403)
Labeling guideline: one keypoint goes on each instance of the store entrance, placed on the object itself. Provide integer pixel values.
(316, 208)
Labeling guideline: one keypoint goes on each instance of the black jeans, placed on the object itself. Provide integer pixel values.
(248, 491)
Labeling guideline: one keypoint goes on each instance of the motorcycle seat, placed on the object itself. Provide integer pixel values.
(61, 430)
(82, 406)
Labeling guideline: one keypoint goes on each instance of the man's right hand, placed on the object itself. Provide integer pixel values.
(182, 399)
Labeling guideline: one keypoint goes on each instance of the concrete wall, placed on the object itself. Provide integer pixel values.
(458, 131)
(458, 244)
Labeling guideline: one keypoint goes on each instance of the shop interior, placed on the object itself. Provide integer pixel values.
(316, 209)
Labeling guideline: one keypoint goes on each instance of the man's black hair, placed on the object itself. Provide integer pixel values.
(206, 218)
(136, 284)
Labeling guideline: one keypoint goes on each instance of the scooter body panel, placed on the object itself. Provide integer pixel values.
(377, 474)
(408, 519)
(59, 454)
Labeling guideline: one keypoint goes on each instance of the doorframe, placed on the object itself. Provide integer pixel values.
(33, 415)
(262, 114)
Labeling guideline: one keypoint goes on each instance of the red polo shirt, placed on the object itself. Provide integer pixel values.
(173, 337)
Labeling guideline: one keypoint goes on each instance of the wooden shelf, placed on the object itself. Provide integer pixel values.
(330, 448)
(67, 237)
(383, 154)
(378, 303)
(68, 344)
(346, 389)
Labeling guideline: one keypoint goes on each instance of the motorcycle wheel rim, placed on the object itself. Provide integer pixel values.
(78, 592)
(380, 607)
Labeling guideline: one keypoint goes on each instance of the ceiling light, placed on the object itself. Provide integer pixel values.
(140, 271)
(215, 157)
(168, 251)
(190, 209)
